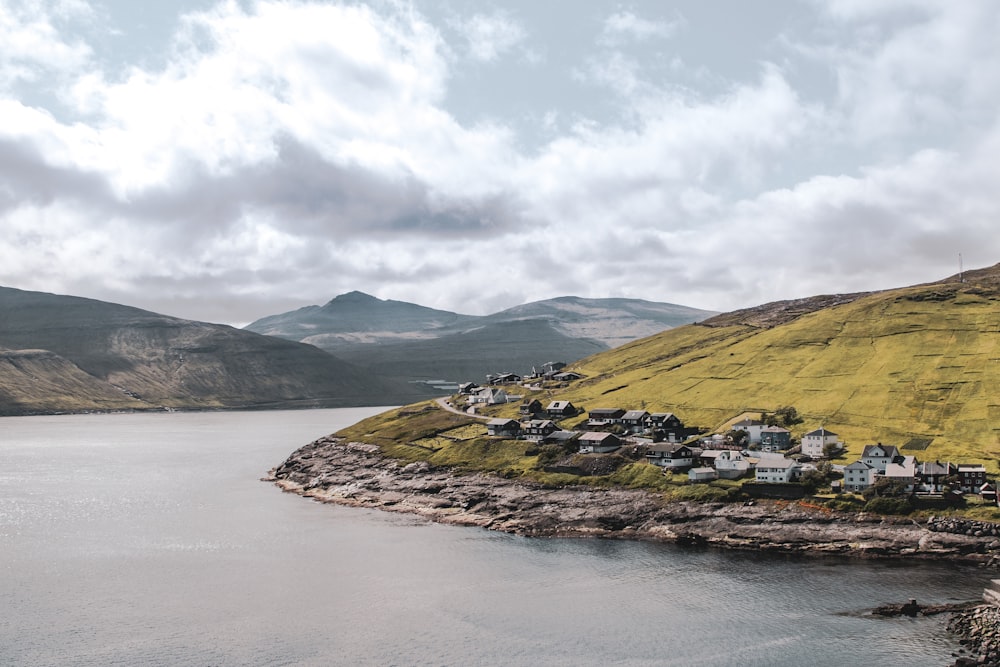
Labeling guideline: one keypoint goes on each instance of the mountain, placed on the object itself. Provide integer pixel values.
(64, 353)
(915, 366)
(406, 343)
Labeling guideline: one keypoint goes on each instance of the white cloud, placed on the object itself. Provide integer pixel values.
(626, 26)
(308, 148)
(490, 36)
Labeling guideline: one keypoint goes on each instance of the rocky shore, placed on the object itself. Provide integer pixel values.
(355, 474)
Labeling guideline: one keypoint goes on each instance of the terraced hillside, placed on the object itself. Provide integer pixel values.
(917, 363)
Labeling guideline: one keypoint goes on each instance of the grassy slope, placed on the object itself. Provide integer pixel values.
(915, 362)
(918, 362)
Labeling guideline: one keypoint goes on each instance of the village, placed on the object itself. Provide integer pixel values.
(758, 450)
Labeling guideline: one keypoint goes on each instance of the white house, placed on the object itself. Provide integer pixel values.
(778, 469)
(489, 396)
(753, 427)
(731, 464)
(879, 456)
(814, 442)
(859, 475)
(904, 472)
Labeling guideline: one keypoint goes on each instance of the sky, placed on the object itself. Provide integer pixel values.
(225, 161)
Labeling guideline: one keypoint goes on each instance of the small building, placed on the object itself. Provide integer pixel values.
(775, 439)
(489, 396)
(468, 388)
(566, 376)
(753, 427)
(504, 378)
(663, 421)
(879, 456)
(595, 442)
(560, 409)
(538, 429)
(671, 457)
(904, 473)
(971, 477)
(814, 443)
(634, 420)
(778, 470)
(731, 464)
(605, 416)
(859, 475)
(931, 476)
(560, 437)
(988, 492)
(503, 428)
(531, 408)
(702, 475)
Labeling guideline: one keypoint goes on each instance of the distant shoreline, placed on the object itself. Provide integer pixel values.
(333, 470)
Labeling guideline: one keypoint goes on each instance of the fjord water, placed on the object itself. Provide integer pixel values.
(148, 539)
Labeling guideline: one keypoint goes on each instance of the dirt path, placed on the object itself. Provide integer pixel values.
(445, 405)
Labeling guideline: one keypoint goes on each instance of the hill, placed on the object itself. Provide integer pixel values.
(64, 353)
(407, 343)
(900, 366)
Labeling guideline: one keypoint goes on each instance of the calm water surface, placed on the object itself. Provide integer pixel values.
(149, 540)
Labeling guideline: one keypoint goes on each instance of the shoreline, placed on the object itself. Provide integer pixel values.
(354, 474)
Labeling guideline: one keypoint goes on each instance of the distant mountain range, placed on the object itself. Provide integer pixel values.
(71, 354)
(64, 353)
(407, 343)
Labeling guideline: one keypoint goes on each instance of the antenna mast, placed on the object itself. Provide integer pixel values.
(960, 279)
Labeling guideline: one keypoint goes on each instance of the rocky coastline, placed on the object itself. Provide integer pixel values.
(355, 474)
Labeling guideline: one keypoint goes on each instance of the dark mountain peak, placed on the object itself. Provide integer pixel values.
(353, 297)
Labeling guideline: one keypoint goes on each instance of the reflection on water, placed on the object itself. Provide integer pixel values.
(149, 539)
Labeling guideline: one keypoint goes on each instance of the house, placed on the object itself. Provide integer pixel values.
(775, 439)
(931, 476)
(859, 475)
(988, 492)
(903, 472)
(702, 475)
(777, 470)
(671, 457)
(560, 409)
(879, 456)
(753, 427)
(568, 376)
(604, 416)
(731, 464)
(595, 442)
(814, 442)
(971, 477)
(634, 420)
(503, 428)
(538, 429)
(531, 408)
(560, 437)
(664, 421)
(468, 388)
(504, 378)
(489, 396)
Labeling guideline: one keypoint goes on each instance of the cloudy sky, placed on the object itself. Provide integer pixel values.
(229, 160)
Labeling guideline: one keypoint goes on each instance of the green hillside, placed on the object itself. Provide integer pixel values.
(918, 362)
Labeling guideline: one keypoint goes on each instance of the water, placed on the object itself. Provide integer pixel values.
(149, 540)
